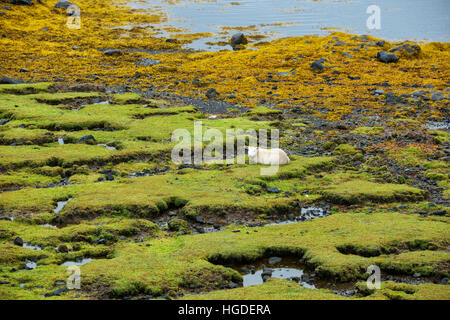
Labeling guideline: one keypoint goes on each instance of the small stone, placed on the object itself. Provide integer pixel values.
(18, 241)
(317, 65)
(63, 248)
(200, 219)
(211, 93)
(112, 52)
(87, 138)
(417, 275)
(273, 190)
(23, 70)
(58, 291)
(274, 260)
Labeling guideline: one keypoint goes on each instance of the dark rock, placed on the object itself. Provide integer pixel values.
(232, 285)
(273, 190)
(200, 219)
(437, 96)
(274, 260)
(438, 213)
(4, 121)
(236, 230)
(385, 57)
(211, 93)
(100, 241)
(58, 291)
(23, 70)
(109, 177)
(18, 241)
(317, 65)
(22, 2)
(444, 281)
(245, 270)
(6, 80)
(63, 4)
(87, 138)
(238, 39)
(63, 248)
(112, 52)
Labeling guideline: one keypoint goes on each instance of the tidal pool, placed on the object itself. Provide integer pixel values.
(400, 20)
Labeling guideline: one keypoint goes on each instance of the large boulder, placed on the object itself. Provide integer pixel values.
(63, 4)
(238, 39)
(386, 57)
(407, 50)
(22, 2)
(6, 80)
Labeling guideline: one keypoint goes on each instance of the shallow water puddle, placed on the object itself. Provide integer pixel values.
(438, 125)
(47, 225)
(290, 269)
(30, 246)
(307, 213)
(106, 146)
(60, 205)
(78, 262)
(256, 278)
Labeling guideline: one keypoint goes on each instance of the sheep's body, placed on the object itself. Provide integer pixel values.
(267, 156)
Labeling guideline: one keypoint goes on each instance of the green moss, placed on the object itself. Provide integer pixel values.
(25, 88)
(178, 225)
(358, 191)
(348, 151)
(368, 131)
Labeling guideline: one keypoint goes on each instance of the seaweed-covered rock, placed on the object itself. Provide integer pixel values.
(407, 50)
(386, 57)
(23, 2)
(63, 4)
(178, 225)
(238, 39)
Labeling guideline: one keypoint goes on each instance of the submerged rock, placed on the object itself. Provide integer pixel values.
(238, 39)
